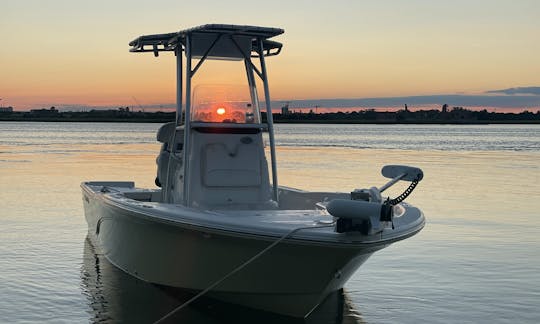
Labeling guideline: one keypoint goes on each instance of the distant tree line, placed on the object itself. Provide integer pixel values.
(122, 114)
(456, 115)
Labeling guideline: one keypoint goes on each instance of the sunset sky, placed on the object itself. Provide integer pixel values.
(75, 53)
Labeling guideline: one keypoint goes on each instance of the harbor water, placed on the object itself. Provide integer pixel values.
(476, 261)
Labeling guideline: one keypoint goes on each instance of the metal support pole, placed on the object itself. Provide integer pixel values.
(270, 120)
(392, 182)
(167, 185)
(187, 121)
(178, 52)
(252, 84)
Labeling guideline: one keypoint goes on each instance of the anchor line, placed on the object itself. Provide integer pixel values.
(240, 267)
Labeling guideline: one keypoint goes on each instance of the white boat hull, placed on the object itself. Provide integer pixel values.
(292, 278)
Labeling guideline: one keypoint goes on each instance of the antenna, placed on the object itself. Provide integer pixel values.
(138, 104)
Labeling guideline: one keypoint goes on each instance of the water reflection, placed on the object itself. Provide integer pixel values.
(116, 297)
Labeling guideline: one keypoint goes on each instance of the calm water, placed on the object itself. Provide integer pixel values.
(476, 261)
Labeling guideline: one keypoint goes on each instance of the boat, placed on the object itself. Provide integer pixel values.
(219, 223)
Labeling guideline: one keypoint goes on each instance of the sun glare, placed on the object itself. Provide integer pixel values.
(220, 111)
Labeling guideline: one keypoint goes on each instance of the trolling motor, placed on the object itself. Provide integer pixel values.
(365, 211)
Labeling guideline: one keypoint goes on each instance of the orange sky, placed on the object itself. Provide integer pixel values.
(76, 53)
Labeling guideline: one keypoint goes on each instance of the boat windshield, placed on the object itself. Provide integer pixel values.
(223, 104)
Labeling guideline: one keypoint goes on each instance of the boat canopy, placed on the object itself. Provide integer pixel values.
(246, 40)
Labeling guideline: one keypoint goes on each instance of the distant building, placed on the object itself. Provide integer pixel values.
(460, 113)
(445, 108)
(44, 112)
(7, 110)
(385, 116)
(285, 110)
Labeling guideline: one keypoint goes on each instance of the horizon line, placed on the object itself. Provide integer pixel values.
(512, 102)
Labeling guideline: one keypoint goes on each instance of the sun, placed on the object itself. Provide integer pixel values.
(220, 111)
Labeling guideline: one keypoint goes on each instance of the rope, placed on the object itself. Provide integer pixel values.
(240, 267)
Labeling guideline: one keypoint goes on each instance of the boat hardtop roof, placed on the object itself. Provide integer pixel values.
(170, 41)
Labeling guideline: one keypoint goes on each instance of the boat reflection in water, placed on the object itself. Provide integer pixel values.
(116, 297)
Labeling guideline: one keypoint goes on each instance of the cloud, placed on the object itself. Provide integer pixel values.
(514, 101)
(518, 90)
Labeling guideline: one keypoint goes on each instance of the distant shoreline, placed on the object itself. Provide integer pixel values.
(455, 116)
(315, 122)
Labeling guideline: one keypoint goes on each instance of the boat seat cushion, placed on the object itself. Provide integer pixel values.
(165, 132)
(237, 166)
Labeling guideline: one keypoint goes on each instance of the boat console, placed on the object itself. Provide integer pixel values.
(217, 158)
